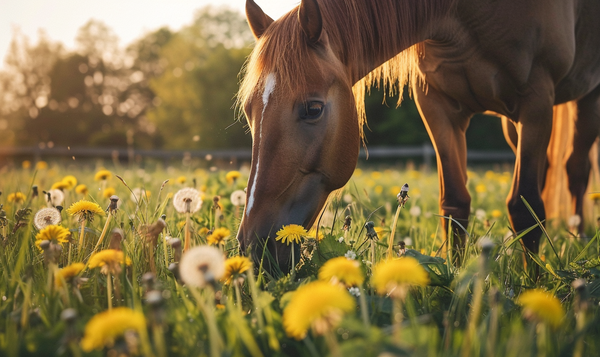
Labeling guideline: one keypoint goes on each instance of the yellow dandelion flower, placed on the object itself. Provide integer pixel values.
(67, 273)
(395, 276)
(70, 180)
(358, 173)
(375, 175)
(181, 180)
(16, 197)
(85, 210)
(41, 165)
(490, 175)
(109, 261)
(60, 185)
(496, 213)
(202, 231)
(319, 305)
(102, 175)
(394, 190)
(378, 189)
(595, 196)
(26, 164)
(232, 176)
(54, 234)
(291, 233)
(234, 267)
(312, 233)
(480, 188)
(381, 232)
(81, 189)
(105, 327)
(542, 306)
(343, 270)
(109, 191)
(218, 236)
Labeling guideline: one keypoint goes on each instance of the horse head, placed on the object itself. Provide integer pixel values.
(298, 100)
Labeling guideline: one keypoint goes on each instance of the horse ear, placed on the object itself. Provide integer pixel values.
(257, 19)
(310, 19)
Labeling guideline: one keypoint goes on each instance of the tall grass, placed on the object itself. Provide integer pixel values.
(468, 309)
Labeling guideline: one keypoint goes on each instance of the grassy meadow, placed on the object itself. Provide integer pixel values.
(92, 277)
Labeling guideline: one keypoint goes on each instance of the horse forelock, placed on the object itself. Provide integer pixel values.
(284, 49)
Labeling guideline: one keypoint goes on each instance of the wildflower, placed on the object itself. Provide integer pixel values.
(84, 210)
(109, 261)
(187, 200)
(46, 217)
(313, 234)
(354, 291)
(496, 213)
(415, 211)
(54, 234)
(218, 236)
(480, 214)
(41, 165)
(108, 192)
(202, 231)
(542, 306)
(234, 267)
(232, 177)
(54, 197)
(202, 265)
(393, 277)
(403, 196)
(81, 189)
(291, 233)
(16, 197)
(350, 255)
(574, 221)
(26, 164)
(181, 180)
(340, 239)
(138, 194)
(480, 188)
(60, 185)
(238, 198)
(70, 180)
(105, 327)
(343, 270)
(319, 305)
(67, 273)
(102, 175)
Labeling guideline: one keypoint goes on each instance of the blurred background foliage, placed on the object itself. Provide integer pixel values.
(169, 89)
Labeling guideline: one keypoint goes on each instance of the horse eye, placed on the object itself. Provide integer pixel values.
(311, 110)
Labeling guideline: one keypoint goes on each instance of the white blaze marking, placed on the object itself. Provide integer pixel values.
(269, 88)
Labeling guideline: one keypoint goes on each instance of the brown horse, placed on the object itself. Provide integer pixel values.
(307, 74)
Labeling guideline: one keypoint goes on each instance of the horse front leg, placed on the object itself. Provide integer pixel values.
(587, 128)
(534, 128)
(446, 122)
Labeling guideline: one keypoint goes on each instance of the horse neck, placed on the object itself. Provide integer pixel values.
(367, 33)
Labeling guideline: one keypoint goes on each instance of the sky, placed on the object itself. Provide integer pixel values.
(129, 19)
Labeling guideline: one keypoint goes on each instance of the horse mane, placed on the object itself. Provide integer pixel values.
(355, 27)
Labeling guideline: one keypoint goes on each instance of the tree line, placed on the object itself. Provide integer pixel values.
(168, 89)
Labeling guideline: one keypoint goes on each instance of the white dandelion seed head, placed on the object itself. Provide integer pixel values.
(201, 265)
(138, 194)
(350, 255)
(480, 214)
(56, 197)
(574, 220)
(354, 291)
(46, 217)
(340, 239)
(347, 198)
(238, 198)
(415, 211)
(408, 241)
(187, 200)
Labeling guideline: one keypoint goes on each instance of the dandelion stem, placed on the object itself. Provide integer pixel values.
(332, 343)
(392, 233)
(81, 234)
(364, 309)
(103, 232)
(238, 295)
(109, 290)
(188, 232)
(293, 272)
(216, 343)
(254, 293)
(165, 251)
(397, 319)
